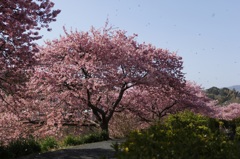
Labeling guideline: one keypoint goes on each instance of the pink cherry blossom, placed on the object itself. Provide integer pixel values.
(20, 22)
(97, 72)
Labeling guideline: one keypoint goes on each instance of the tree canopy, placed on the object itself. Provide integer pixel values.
(20, 22)
(97, 71)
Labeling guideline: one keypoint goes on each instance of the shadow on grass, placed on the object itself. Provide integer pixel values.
(96, 153)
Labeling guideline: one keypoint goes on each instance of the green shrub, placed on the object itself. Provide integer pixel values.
(180, 136)
(48, 144)
(72, 141)
(237, 121)
(22, 147)
(26, 146)
(95, 137)
(237, 135)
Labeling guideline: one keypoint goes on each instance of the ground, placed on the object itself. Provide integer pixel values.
(98, 150)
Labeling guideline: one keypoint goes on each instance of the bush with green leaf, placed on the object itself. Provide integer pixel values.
(48, 144)
(237, 129)
(72, 141)
(22, 147)
(26, 146)
(180, 136)
(95, 137)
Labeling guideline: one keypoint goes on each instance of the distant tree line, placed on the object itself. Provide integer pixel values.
(224, 96)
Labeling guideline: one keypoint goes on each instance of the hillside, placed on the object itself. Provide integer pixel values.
(224, 96)
(236, 87)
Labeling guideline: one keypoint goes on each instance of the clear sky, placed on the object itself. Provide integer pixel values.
(206, 33)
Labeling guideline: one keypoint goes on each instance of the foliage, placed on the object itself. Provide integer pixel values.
(95, 137)
(9, 127)
(237, 133)
(22, 147)
(224, 96)
(4, 153)
(87, 76)
(184, 135)
(228, 112)
(158, 104)
(25, 146)
(225, 103)
(236, 122)
(20, 22)
(48, 144)
(72, 141)
(123, 123)
(77, 140)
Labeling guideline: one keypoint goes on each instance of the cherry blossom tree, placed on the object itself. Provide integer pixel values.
(93, 72)
(20, 22)
(153, 104)
(226, 112)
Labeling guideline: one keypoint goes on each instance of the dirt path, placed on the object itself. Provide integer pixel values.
(98, 150)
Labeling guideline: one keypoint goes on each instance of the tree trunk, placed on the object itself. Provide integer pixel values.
(104, 127)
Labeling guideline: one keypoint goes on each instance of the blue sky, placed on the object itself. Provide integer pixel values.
(206, 33)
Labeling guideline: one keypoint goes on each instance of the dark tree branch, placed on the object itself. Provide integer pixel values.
(86, 74)
(160, 114)
(95, 109)
(116, 103)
